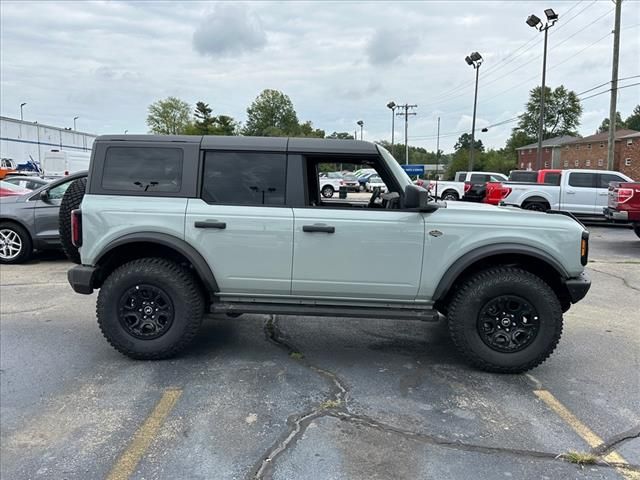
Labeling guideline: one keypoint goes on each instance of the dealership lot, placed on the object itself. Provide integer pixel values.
(291, 397)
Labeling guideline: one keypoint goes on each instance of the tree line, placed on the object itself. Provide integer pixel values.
(272, 114)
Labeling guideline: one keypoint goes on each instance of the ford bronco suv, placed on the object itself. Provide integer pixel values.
(173, 227)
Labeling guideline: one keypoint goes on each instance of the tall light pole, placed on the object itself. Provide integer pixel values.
(21, 106)
(74, 123)
(475, 60)
(535, 22)
(392, 106)
(361, 124)
(406, 107)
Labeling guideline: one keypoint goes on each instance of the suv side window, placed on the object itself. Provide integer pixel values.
(244, 178)
(142, 169)
(582, 180)
(605, 178)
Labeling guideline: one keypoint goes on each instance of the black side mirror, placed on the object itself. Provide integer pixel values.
(44, 196)
(417, 198)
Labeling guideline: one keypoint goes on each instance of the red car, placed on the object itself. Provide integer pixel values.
(10, 190)
(624, 203)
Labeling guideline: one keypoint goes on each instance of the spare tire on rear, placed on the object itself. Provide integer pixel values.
(70, 201)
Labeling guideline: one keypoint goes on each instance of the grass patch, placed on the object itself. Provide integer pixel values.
(328, 404)
(296, 355)
(580, 458)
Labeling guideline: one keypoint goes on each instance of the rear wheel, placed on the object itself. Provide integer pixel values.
(536, 206)
(150, 308)
(449, 195)
(505, 320)
(70, 201)
(327, 191)
(15, 243)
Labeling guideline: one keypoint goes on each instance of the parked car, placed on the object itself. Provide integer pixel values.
(375, 181)
(329, 185)
(10, 190)
(351, 182)
(581, 192)
(238, 225)
(29, 221)
(29, 182)
(454, 190)
(7, 167)
(494, 192)
(363, 178)
(624, 203)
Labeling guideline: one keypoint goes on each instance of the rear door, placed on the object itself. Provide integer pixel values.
(579, 193)
(240, 223)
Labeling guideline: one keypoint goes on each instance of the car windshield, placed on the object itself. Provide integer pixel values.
(350, 177)
(334, 175)
(375, 179)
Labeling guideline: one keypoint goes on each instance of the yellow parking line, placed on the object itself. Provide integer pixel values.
(589, 436)
(126, 464)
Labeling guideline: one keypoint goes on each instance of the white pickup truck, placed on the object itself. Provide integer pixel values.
(581, 192)
(454, 190)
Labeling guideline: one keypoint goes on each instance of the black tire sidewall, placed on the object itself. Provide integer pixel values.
(450, 196)
(480, 290)
(179, 291)
(70, 201)
(330, 191)
(27, 245)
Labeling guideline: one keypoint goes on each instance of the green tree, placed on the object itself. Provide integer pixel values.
(562, 112)
(633, 121)
(517, 139)
(271, 114)
(604, 126)
(341, 136)
(226, 125)
(168, 117)
(458, 163)
(464, 143)
(498, 161)
(204, 121)
(307, 130)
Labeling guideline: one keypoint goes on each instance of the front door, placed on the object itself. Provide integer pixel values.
(357, 253)
(602, 197)
(47, 213)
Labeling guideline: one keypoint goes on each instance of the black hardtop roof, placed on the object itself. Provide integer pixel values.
(271, 144)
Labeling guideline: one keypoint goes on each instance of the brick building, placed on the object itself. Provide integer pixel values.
(551, 151)
(591, 152)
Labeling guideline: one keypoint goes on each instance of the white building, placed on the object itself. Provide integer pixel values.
(20, 140)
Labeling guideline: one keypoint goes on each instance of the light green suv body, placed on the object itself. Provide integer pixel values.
(244, 218)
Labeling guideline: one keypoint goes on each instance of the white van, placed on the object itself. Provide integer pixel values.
(58, 163)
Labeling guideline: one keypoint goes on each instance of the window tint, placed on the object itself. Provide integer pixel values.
(605, 178)
(244, 178)
(552, 178)
(585, 180)
(476, 177)
(142, 169)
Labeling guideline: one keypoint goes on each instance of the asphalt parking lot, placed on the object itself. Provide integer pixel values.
(296, 397)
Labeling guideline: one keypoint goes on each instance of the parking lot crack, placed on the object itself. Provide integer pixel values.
(615, 441)
(624, 280)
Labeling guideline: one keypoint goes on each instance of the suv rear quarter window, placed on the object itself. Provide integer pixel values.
(244, 178)
(142, 169)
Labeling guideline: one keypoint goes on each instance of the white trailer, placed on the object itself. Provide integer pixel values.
(56, 163)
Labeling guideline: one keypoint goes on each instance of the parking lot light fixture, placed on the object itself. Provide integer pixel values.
(392, 106)
(74, 123)
(361, 124)
(474, 60)
(21, 107)
(535, 22)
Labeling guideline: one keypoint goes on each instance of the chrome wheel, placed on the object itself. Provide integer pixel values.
(10, 244)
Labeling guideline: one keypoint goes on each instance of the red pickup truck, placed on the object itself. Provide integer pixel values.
(624, 203)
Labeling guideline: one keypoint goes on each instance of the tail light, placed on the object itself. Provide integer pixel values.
(76, 227)
(467, 186)
(496, 192)
(624, 195)
(432, 185)
(341, 182)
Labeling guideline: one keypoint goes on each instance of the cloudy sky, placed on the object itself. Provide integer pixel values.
(338, 61)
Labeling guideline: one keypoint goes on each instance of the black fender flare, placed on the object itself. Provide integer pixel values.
(469, 258)
(195, 258)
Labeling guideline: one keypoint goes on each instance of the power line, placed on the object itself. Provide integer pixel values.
(608, 90)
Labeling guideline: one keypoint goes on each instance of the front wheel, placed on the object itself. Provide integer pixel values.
(450, 195)
(505, 320)
(536, 206)
(150, 308)
(327, 191)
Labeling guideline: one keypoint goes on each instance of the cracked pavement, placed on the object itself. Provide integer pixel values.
(317, 398)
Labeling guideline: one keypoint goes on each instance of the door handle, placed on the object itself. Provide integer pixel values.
(211, 224)
(319, 227)
(570, 192)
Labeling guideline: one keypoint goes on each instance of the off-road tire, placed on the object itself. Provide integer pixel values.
(181, 287)
(26, 245)
(450, 195)
(329, 191)
(477, 291)
(70, 201)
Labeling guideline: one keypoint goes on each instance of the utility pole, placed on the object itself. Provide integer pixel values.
(614, 87)
(406, 107)
(438, 149)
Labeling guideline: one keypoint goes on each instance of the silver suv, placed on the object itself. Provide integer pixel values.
(173, 227)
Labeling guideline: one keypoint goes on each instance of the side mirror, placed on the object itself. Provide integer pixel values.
(417, 198)
(44, 196)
